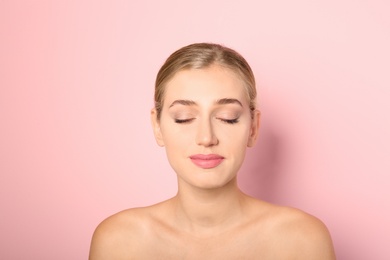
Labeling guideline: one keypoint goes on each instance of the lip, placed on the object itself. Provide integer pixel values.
(207, 161)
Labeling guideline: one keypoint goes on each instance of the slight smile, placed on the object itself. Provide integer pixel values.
(207, 161)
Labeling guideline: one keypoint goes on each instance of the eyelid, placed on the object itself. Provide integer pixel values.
(182, 116)
(230, 121)
(183, 121)
(229, 116)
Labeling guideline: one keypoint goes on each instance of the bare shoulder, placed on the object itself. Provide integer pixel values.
(299, 234)
(120, 235)
(113, 234)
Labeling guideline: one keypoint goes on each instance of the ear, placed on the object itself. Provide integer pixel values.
(156, 127)
(254, 129)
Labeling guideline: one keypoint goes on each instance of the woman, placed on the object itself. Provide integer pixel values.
(205, 116)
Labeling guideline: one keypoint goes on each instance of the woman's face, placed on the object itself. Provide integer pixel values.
(205, 126)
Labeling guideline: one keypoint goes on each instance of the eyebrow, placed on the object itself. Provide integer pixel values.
(223, 101)
(183, 102)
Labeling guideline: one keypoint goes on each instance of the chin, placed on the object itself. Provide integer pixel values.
(211, 182)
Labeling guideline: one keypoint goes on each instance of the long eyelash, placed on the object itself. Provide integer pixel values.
(183, 121)
(230, 121)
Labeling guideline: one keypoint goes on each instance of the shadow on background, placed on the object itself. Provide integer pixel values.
(261, 169)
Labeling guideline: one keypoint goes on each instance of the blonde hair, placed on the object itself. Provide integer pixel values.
(199, 56)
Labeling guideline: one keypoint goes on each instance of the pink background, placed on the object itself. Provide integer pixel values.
(76, 86)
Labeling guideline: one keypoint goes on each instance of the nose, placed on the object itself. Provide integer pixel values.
(205, 135)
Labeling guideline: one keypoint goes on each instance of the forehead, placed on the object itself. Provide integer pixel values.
(207, 84)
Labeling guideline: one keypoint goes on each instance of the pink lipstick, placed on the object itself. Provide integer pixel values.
(207, 161)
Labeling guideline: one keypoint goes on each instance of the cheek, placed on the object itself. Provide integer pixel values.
(235, 134)
(237, 147)
(236, 142)
(176, 138)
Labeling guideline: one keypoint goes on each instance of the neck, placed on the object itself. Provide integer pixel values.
(209, 211)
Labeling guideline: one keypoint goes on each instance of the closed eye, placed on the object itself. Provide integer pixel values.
(229, 121)
(183, 121)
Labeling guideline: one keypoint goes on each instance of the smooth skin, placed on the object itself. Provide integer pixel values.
(206, 111)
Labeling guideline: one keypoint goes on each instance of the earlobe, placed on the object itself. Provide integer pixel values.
(254, 129)
(156, 127)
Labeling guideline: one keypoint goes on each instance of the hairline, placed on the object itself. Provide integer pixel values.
(217, 63)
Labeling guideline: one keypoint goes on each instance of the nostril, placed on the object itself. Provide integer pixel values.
(209, 140)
